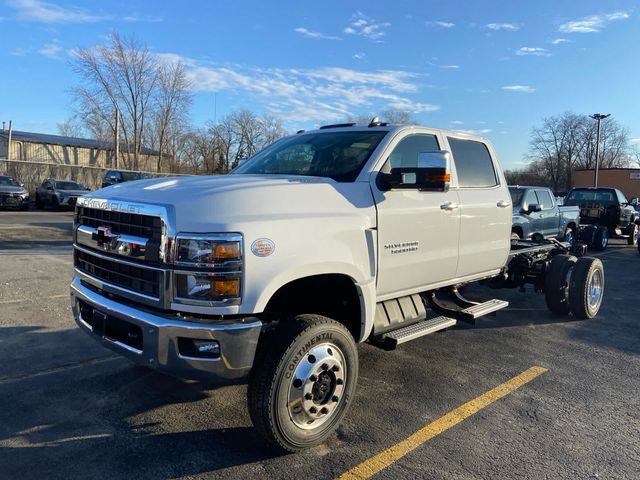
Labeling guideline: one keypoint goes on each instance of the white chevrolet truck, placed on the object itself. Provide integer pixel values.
(326, 238)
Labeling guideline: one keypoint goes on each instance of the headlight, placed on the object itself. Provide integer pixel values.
(208, 252)
(212, 269)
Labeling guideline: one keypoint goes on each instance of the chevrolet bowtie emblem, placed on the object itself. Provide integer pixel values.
(105, 238)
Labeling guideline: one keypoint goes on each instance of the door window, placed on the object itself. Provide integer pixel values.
(544, 199)
(473, 163)
(529, 199)
(621, 197)
(405, 155)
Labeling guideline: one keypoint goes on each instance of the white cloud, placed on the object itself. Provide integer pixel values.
(19, 52)
(312, 34)
(502, 26)
(591, 24)
(456, 122)
(476, 132)
(359, 56)
(310, 95)
(558, 41)
(51, 50)
(366, 27)
(535, 51)
(440, 24)
(45, 12)
(635, 140)
(48, 12)
(450, 67)
(519, 88)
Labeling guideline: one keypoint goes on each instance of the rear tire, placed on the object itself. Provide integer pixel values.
(632, 231)
(556, 285)
(600, 238)
(586, 289)
(304, 373)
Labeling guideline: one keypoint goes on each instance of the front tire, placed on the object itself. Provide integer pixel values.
(633, 234)
(303, 381)
(586, 289)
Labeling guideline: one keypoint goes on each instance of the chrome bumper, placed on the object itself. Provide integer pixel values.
(164, 337)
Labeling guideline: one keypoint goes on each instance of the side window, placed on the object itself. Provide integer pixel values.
(529, 199)
(544, 199)
(46, 184)
(473, 163)
(405, 155)
(621, 197)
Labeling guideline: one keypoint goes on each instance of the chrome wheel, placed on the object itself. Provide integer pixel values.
(316, 386)
(594, 289)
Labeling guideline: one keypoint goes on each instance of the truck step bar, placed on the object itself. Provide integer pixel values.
(390, 340)
(485, 308)
(451, 303)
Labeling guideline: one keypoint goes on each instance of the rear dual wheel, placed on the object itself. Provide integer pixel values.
(575, 285)
(632, 231)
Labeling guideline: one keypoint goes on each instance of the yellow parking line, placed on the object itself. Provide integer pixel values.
(375, 464)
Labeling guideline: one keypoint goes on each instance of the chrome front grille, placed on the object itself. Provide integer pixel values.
(129, 276)
(124, 248)
(124, 223)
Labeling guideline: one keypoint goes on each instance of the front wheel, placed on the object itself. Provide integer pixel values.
(303, 381)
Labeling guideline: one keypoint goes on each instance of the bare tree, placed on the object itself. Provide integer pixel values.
(120, 75)
(568, 141)
(70, 128)
(171, 103)
(399, 117)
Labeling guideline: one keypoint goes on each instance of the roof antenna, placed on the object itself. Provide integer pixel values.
(375, 122)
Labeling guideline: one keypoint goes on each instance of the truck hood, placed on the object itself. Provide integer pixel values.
(226, 202)
(72, 193)
(11, 189)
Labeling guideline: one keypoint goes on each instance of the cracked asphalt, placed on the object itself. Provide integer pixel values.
(71, 409)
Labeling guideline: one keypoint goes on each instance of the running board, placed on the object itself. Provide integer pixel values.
(390, 340)
(470, 314)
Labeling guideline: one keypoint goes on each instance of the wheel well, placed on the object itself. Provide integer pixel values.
(517, 230)
(571, 225)
(331, 295)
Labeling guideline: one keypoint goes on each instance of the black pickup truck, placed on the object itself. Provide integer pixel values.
(606, 207)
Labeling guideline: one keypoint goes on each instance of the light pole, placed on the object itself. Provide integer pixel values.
(598, 117)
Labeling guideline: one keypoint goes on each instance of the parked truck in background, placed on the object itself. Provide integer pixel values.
(605, 212)
(324, 239)
(535, 210)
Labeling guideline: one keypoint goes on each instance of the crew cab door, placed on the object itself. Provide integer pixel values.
(485, 207)
(549, 214)
(417, 230)
(626, 212)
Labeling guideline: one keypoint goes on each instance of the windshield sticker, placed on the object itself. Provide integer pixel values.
(360, 145)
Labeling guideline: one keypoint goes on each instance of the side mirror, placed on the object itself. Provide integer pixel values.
(22, 185)
(533, 207)
(431, 174)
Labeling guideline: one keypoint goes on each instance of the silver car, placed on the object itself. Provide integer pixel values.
(59, 193)
(13, 194)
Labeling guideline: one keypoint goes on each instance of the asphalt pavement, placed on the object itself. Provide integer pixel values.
(71, 409)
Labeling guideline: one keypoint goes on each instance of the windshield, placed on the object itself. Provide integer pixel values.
(336, 155)
(599, 196)
(516, 196)
(129, 176)
(8, 182)
(67, 185)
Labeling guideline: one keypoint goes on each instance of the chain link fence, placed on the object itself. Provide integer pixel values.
(32, 174)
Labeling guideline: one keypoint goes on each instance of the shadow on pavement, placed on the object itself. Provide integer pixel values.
(92, 420)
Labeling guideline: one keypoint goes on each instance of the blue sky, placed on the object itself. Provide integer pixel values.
(491, 67)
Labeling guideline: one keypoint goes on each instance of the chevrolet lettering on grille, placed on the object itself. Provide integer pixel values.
(105, 238)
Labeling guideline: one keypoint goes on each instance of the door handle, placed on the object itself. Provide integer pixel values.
(503, 204)
(448, 206)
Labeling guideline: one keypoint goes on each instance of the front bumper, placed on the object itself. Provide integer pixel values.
(163, 342)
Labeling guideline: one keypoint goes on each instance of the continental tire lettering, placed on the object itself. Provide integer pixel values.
(295, 360)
